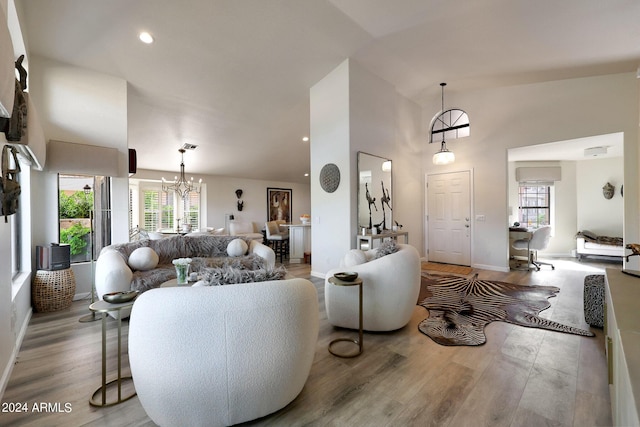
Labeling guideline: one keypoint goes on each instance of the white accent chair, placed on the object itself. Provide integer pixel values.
(391, 286)
(539, 242)
(222, 355)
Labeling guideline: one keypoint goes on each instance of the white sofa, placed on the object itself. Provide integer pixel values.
(589, 243)
(222, 355)
(245, 229)
(115, 272)
(391, 285)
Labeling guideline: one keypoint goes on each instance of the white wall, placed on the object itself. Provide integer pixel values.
(221, 197)
(515, 116)
(595, 213)
(73, 103)
(331, 213)
(6, 331)
(354, 110)
(408, 187)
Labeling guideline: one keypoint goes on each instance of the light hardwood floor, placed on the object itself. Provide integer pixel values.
(520, 377)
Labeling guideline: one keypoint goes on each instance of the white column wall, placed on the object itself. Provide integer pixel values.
(331, 213)
(354, 110)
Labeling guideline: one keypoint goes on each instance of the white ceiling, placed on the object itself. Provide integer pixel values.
(233, 77)
(573, 149)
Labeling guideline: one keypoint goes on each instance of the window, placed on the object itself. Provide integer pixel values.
(16, 243)
(16, 221)
(155, 210)
(84, 214)
(192, 209)
(158, 210)
(535, 205)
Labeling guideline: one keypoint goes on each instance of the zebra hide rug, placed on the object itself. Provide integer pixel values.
(460, 308)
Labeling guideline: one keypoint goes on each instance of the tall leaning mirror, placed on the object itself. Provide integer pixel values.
(375, 203)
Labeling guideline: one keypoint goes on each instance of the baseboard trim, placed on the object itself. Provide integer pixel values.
(318, 275)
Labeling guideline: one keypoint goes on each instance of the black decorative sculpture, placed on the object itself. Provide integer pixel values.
(384, 200)
(240, 202)
(370, 201)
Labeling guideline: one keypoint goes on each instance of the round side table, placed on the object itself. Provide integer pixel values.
(104, 307)
(358, 342)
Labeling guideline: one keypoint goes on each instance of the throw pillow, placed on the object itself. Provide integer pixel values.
(386, 248)
(589, 235)
(370, 254)
(237, 247)
(143, 259)
(354, 257)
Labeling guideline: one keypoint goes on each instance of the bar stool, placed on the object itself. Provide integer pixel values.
(278, 240)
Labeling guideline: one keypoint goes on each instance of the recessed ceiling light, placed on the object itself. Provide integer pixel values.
(305, 138)
(306, 174)
(145, 37)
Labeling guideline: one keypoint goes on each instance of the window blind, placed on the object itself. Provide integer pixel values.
(544, 175)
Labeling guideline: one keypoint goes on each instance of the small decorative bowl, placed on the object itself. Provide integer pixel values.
(119, 297)
(346, 276)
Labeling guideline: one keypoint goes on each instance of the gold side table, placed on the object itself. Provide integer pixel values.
(358, 342)
(104, 307)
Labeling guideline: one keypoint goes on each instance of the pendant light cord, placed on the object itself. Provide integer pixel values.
(442, 145)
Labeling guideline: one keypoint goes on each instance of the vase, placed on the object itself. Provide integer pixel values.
(182, 274)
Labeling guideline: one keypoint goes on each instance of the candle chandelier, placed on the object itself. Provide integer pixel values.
(181, 184)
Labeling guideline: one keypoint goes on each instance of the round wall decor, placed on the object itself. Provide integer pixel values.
(329, 177)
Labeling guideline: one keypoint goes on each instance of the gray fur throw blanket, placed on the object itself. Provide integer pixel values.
(227, 275)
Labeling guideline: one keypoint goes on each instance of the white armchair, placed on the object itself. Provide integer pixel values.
(222, 355)
(391, 285)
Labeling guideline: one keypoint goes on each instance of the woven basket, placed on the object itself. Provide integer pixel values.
(53, 290)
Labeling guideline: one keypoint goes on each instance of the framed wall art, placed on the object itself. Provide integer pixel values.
(278, 204)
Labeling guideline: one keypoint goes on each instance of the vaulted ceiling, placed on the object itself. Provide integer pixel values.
(233, 76)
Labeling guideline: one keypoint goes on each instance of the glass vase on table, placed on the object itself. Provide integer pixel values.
(182, 270)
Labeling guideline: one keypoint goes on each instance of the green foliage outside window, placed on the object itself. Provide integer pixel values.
(71, 206)
(75, 236)
(75, 205)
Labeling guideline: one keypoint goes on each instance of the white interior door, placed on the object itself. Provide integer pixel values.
(449, 218)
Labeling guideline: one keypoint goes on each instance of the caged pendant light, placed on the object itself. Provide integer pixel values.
(444, 156)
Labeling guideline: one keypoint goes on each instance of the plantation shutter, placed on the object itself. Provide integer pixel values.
(151, 210)
(192, 209)
(168, 212)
